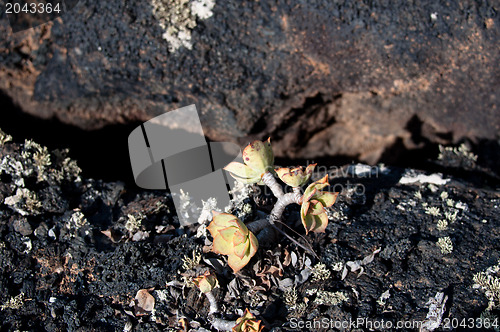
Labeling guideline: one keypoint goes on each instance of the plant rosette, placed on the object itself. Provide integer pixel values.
(295, 177)
(248, 323)
(314, 202)
(232, 238)
(258, 159)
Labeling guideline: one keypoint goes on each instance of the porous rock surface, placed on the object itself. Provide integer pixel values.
(321, 77)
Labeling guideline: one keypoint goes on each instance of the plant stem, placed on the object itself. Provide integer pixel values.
(270, 181)
(218, 323)
(214, 308)
(281, 204)
(257, 225)
(222, 324)
(283, 201)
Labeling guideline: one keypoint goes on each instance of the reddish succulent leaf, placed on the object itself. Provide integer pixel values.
(247, 323)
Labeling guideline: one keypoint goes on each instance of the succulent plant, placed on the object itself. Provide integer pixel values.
(295, 177)
(314, 201)
(206, 282)
(248, 323)
(232, 238)
(258, 159)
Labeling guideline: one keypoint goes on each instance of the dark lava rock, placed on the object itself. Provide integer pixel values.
(22, 226)
(354, 78)
(81, 267)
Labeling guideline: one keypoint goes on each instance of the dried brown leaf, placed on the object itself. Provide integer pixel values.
(144, 302)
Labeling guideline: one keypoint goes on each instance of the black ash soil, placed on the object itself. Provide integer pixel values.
(75, 251)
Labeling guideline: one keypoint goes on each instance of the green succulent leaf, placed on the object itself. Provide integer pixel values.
(243, 173)
(242, 249)
(206, 282)
(238, 238)
(316, 208)
(221, 246)
(295, 177)
(326, 198)
(228, 233)
(259, 156)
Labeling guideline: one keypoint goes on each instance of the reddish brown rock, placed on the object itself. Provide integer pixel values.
(322, 78)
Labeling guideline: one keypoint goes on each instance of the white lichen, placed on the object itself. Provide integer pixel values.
(69, 171)
(445, 244)
(41, 160)
(330, 298)
(24, 202)
(335, 214)
(299, 310)
(190, 263)
(320, 272)
(202, 8)
(290, 298)
(134, 223)
(206, 211)
(383, 297)
(201, 231)
(337, 266)
(162, 295)
(14, 303)
(489, 282)
(239, 202)
(442, 225)
(433, 211)
(451, 215)
(458, 157)
(4, 138)
(178, 18)
(186, 206)
(77, 219)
